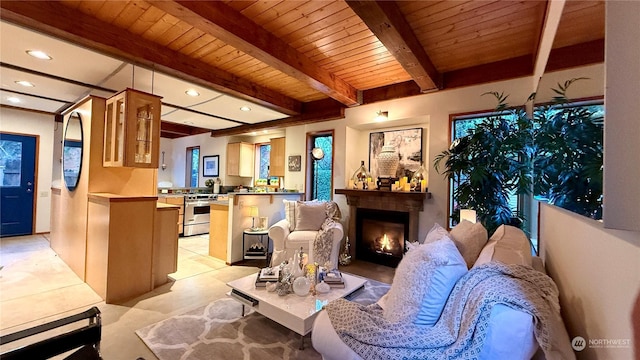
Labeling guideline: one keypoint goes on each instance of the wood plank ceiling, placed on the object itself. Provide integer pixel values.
(311, 59)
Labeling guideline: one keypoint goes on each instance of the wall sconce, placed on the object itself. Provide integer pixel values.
(466, 214)
(163, 166)
(382, 116)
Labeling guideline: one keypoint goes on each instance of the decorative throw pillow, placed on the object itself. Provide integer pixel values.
(290, 213)
(436, 233)
(470, 238)
(310, 215)
(423, 281)
(509, 245)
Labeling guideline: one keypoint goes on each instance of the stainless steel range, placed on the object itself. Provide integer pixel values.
(196, 213)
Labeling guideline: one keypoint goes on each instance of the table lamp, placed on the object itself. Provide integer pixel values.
(253, 212)
(467, 214)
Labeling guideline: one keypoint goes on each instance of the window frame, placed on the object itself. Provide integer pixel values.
(309, 170)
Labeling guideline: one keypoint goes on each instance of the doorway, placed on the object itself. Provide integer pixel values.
(17, 183)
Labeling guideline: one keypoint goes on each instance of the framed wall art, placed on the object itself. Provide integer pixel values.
(408, 143)
(211, 166)
(295, 162)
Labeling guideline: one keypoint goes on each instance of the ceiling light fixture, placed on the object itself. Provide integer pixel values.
(13, 99)
(382, 116)
(39, 54)
(188, 122)
(192, 92)
(24, 83)
(245, 108)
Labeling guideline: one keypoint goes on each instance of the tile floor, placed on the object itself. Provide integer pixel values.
(36, 287)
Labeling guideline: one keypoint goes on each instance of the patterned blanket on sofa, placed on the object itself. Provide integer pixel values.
(324, 238)
(463, 325)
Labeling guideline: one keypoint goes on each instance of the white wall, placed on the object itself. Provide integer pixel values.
(622, 127)
(30, 123)
(597, 271)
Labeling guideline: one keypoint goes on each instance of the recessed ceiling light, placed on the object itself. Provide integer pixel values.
(188, 122)
(13, 99)
(24, 83)
(192, 92)
(39, 54)
(245, 108)
(265, 131)
(253, 133)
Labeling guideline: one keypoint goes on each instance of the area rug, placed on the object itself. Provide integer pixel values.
(218, 331)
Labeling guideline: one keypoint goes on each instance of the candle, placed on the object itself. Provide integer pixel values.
(396, 185)
(407, 187)
(423, 185)
(372, 185)
(351, 184)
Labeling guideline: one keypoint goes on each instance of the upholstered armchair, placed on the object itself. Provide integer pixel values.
(300, 227)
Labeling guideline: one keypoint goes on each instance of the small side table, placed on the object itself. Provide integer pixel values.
(261, 234)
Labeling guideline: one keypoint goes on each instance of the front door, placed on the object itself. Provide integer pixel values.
(17, 178)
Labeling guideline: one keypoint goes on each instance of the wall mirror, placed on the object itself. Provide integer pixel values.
(72, 151)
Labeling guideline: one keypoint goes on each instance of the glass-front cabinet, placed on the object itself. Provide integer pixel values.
(132, 130)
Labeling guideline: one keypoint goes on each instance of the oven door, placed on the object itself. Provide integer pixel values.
(196, 218)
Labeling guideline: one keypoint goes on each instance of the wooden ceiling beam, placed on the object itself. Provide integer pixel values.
(180, 129)
(315, 111)
(68, 24)
(549, 28)
(387, 22)
(230, 26)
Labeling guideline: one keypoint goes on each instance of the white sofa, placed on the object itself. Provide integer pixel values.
(511, 332)
(295, 231)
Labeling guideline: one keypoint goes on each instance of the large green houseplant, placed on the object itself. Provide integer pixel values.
(557, 154)
(492, 161)
(568, 154)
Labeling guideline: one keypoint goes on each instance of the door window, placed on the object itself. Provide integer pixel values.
(10, 163)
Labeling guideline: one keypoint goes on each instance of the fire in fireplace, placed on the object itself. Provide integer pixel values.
(380, 236)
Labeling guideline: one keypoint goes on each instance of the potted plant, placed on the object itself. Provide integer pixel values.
(558, 154)
(568, 154)
(489, 163)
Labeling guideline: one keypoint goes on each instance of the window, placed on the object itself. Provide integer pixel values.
(263, 152)
(192, 166)
(560, 150)
(320, 172)
(10, 163)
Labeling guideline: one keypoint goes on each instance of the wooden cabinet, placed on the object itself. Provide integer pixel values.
(277, 161)
(240, 159)
(165, 244)
(132, 130)
(119, 252)
(218, 231)
(179, 201)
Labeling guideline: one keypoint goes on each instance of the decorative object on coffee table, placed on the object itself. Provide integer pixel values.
(345, 255)
(301, 286)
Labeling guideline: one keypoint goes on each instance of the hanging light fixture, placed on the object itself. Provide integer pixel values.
(164, 165)
(382, 116)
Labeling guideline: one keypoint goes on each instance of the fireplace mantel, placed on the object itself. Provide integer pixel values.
(410, 202)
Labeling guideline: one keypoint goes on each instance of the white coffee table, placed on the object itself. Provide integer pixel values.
(295, 312)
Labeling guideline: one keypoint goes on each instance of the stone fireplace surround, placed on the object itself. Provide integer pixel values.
(409, 202)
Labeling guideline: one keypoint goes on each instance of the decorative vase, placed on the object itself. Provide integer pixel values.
(419, 179)
(323, 287)
(388, 160)
(361, 177)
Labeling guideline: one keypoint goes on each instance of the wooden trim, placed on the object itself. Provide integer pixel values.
(52, 19)
(223, 22)
(587, 53)
(35, 183)
(496, 71)
(180, 129)
(387, 22)
(302, 119)
(28, 110)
